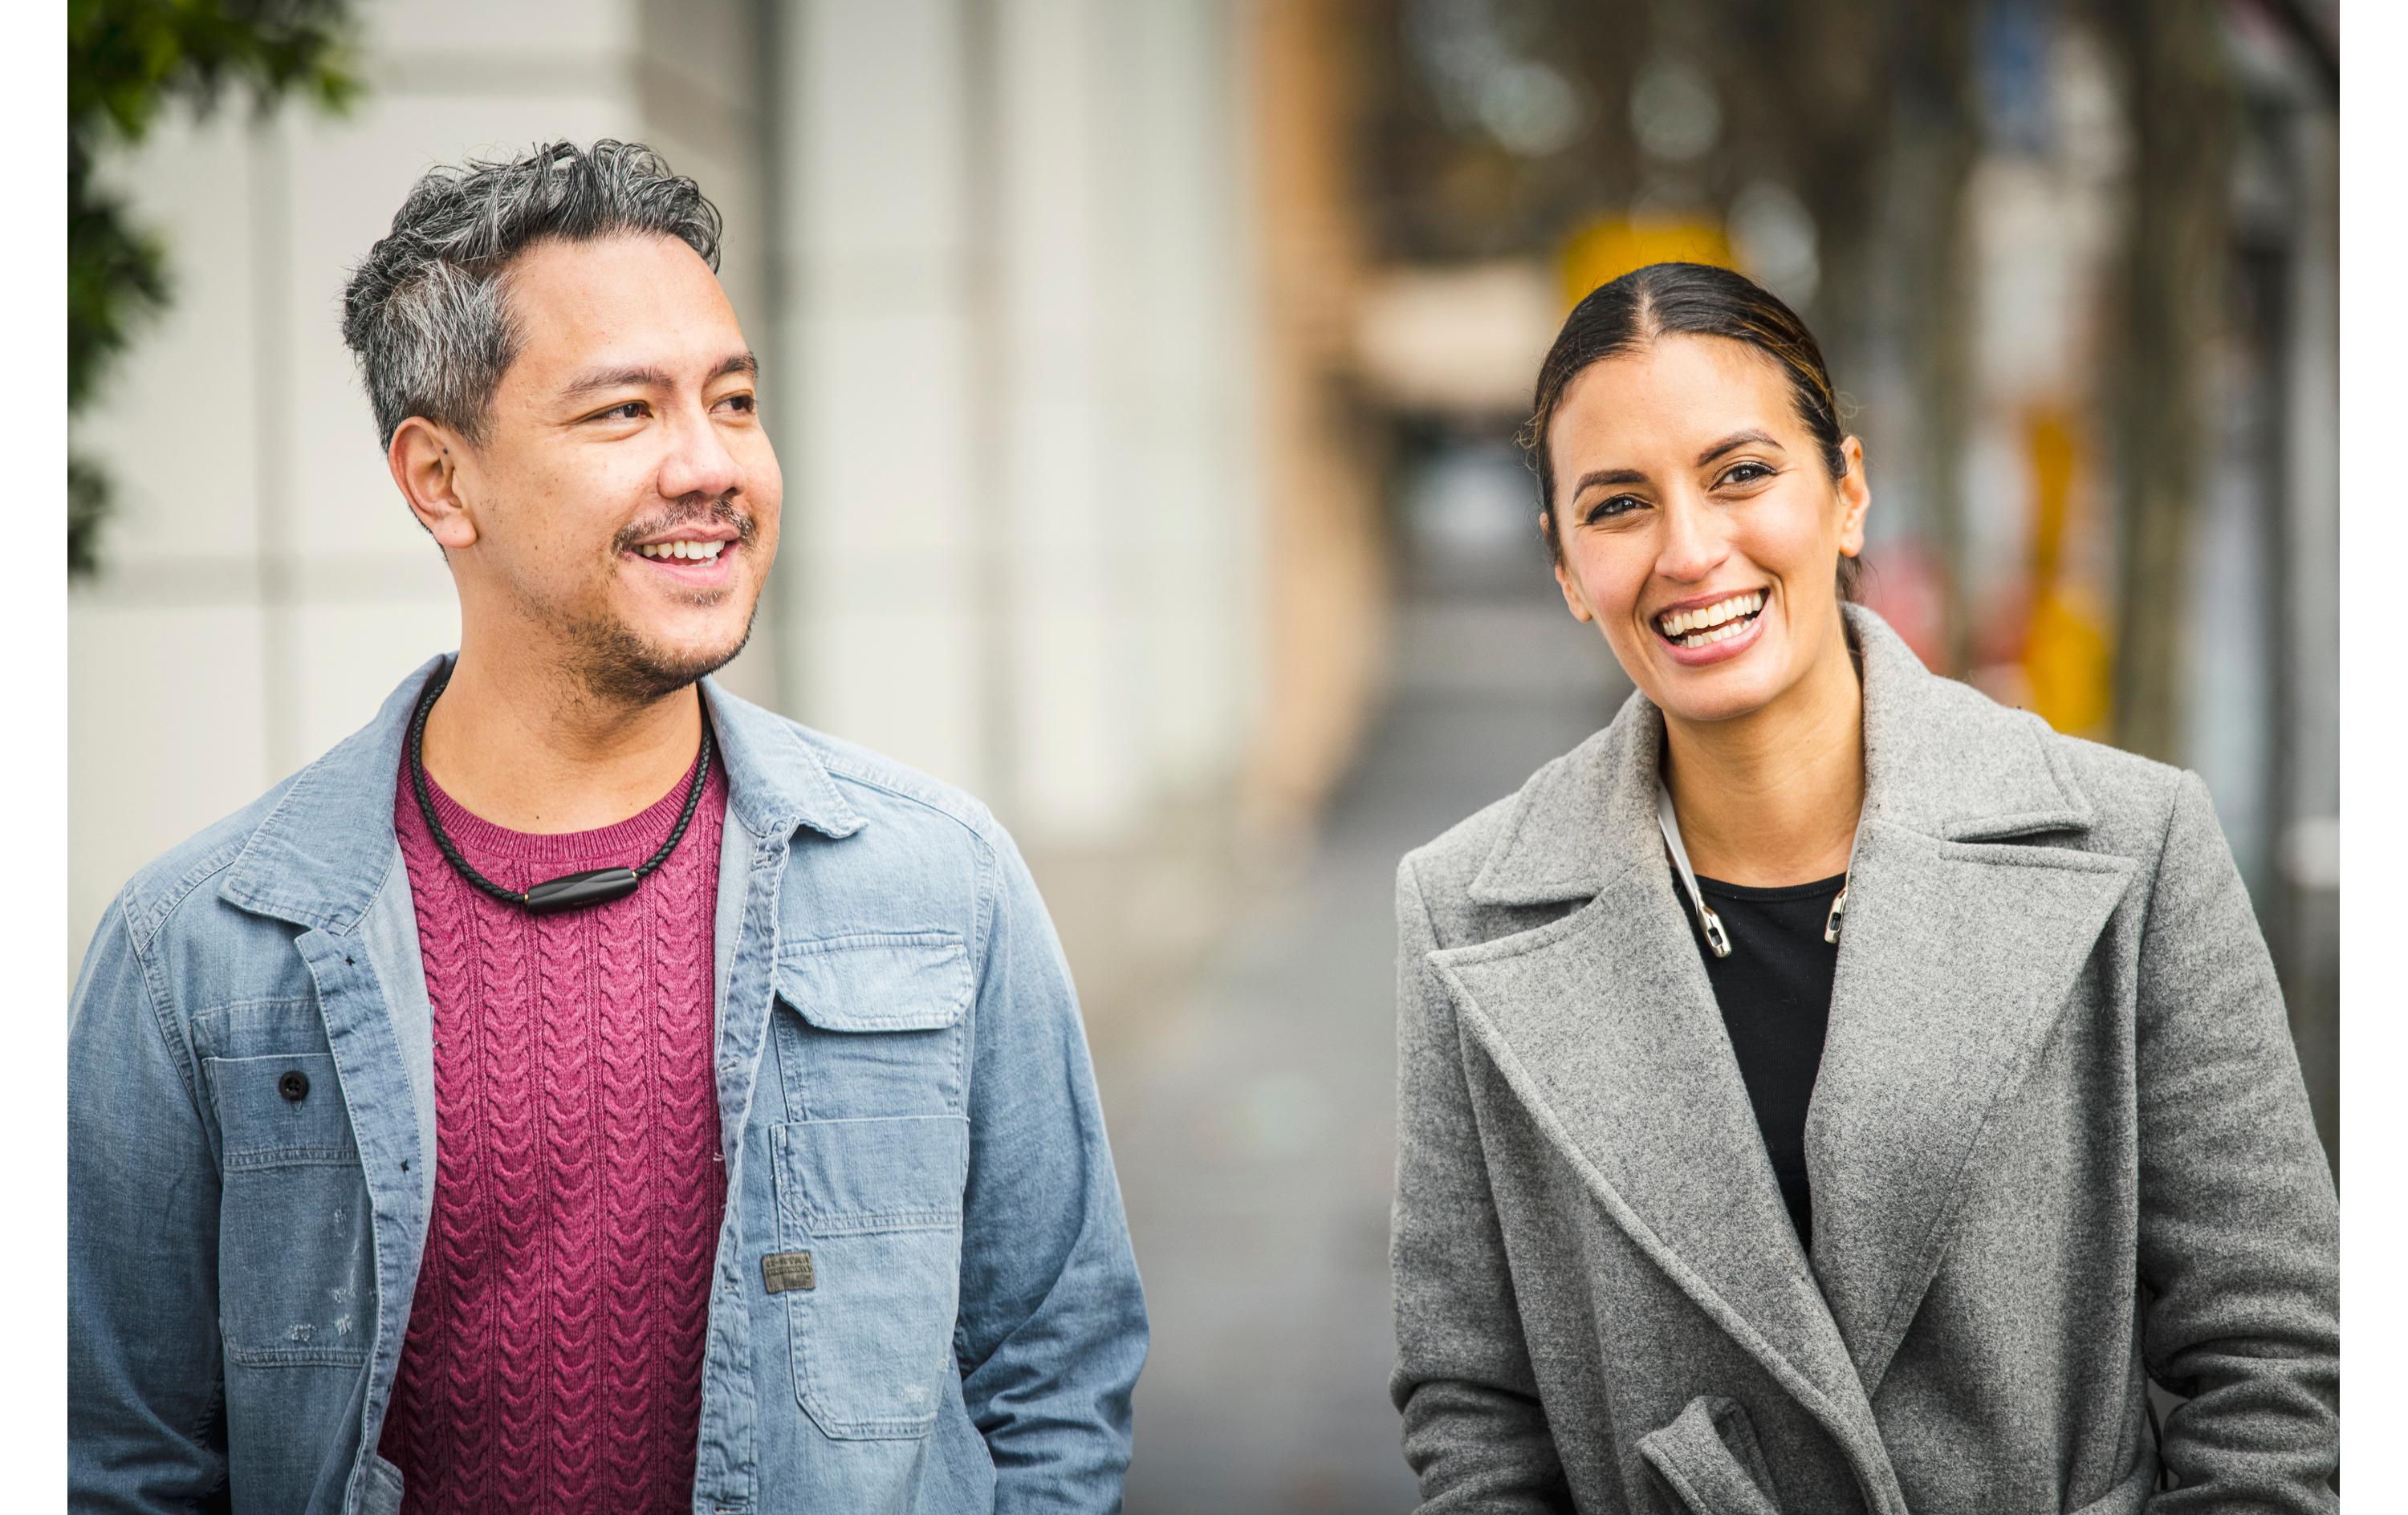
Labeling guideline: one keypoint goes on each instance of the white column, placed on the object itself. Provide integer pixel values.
(1180, 472)
(1129, 485)
(1074, 659)
(887, 501)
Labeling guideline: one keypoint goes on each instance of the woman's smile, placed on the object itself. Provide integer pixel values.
(1707, 629)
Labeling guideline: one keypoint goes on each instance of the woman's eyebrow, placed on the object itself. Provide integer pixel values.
(1608, 476)
(1633, 476)
(1736, 440)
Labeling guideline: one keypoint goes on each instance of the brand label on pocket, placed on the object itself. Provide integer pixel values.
(781, 1271)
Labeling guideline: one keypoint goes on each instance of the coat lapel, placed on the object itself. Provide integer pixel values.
(1606, 1029)
(1605, 1026)
(1959, 952)
(1956, 961)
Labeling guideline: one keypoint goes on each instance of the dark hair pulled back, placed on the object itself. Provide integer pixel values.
(1688, 300)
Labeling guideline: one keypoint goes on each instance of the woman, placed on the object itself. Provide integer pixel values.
(2057, 1144)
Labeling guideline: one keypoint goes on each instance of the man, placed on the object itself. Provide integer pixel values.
(581, 1090)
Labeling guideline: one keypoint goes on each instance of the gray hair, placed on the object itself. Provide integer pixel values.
(424, 313)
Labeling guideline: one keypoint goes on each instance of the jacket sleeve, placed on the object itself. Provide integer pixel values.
(1473, 1430)
(2238, 1225)
(1052, 1328)
(144, 1403)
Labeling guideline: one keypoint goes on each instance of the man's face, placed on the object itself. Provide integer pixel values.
(625, 497)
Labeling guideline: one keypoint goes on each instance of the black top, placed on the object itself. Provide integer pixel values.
(1776, 995)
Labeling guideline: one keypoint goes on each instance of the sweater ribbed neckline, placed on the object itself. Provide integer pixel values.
(624, 842)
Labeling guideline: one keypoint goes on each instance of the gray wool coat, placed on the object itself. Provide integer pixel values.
(2059, 1146)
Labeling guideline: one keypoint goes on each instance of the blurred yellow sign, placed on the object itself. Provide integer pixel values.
(2069, 657)
(1604, 250)
(2070, 662)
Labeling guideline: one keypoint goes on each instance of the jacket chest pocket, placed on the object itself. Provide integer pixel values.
(874, 1209)
(873, 1025)
(296, 1276)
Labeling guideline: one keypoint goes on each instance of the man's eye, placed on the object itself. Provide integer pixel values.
(744, 403)
(632, 410)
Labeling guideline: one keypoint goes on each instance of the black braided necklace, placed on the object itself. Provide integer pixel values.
(594, 886)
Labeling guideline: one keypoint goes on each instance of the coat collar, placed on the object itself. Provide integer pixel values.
(326, 847)
(1958, 952)
(1939, 758)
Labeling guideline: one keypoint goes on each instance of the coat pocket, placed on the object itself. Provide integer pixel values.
(1706, 1461)
(877, 1205)
(295, 1266)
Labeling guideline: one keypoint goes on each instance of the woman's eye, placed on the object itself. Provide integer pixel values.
(1616, 505)
(1747, 473)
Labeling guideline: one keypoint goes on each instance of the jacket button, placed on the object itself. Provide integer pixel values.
(293, 1085)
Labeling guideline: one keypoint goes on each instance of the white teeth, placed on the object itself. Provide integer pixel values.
(1723, 614)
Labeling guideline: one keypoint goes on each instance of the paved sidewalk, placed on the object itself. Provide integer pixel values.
(1253, 1115)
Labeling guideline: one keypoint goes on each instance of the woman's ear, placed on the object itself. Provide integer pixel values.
(426, 460)
(1855, 498)
(1572, 601)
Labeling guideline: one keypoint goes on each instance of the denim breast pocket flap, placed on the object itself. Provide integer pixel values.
(903, 980)
(873, 1024)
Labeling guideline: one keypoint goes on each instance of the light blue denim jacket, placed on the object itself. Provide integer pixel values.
(904, 1094)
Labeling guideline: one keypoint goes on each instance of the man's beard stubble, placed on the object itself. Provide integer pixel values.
(618, 667)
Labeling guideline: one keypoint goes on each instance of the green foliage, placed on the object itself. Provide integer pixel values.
(127, 62)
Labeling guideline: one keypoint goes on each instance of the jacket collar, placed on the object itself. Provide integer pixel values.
(327, 846)
(1939, 758)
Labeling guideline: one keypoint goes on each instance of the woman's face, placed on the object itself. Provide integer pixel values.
(1699, 529)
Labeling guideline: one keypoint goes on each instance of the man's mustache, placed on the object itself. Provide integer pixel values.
(720, 512)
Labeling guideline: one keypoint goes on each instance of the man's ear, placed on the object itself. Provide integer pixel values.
(425, 459)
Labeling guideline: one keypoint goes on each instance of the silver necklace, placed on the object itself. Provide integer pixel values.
(1717, 937)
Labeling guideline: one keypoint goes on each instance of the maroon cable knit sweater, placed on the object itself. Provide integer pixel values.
(553, 1361)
